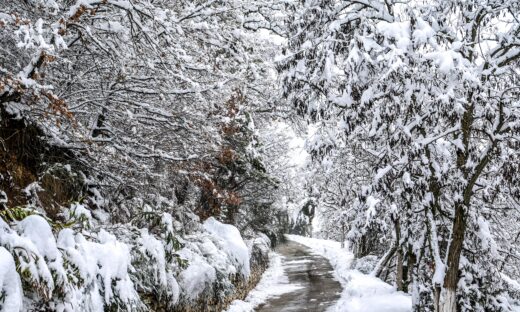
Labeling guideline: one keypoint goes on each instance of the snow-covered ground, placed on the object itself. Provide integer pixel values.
(274, 282)
(361, 292)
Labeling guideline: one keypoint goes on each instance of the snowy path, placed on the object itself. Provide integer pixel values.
(296, 280)
(317, 290)
(361, 292)
(303, 276)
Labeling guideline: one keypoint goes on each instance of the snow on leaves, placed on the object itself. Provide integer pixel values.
(422, 96)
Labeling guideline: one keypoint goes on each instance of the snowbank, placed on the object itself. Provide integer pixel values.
(274, 283)
(361, 292)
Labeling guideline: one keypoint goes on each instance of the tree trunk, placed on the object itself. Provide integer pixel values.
(399, 271)
(342, 234)
(399, 264)
(451, 279)
(437, 298)
(408, 270)
(360, 247)
(449, 302)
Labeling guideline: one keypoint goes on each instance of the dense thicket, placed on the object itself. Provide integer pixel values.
(123, 124)
(140, 89)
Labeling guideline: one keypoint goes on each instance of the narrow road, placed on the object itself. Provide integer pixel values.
(313, 273)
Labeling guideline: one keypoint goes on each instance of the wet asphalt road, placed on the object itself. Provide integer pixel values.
(319, 289)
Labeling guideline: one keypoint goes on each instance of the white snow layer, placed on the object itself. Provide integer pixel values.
(274, 282)
(361, 292)
(103, 266)
(221, 249)
(103, 263)
(10, 284)
(232, 243)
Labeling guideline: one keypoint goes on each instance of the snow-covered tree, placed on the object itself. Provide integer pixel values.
(122, 107)
(134, 86)
(430, 91)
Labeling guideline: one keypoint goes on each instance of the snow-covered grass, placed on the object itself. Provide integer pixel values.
(274, 282)
(361, 292)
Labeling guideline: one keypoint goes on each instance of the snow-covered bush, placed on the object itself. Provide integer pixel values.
(366, 264)
(11, 293)
(70, 273)
(231, 243)
(217, 258)
(120, 268)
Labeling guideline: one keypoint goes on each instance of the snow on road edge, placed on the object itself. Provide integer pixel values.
(361, 292)
(274, 282)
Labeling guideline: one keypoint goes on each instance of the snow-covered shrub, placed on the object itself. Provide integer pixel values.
(11, 294)
(259, 248)
(153, 270)
(482, 287)
(216, 257)
(34, 249)
(70, 273)
(366, 264)
(231, 243)
(198, 277)
(221, 266)
(82, 264)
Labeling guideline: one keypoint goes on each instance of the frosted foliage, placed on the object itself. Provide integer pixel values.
(38, 231)
(98, 270)
(112, 261)
(197, 277)
(38, 254)
(155, 249)
(232, 243)
(102, 266)
(107, 98)
(415, 107)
